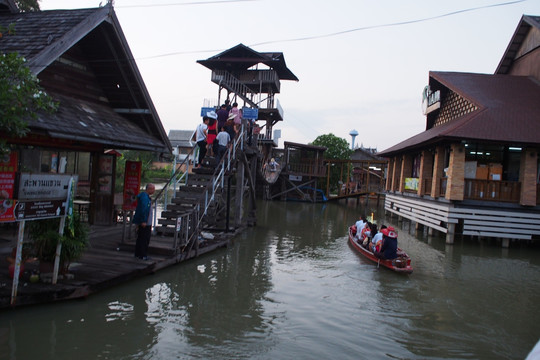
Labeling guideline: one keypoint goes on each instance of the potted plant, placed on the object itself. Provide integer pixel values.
(44, 236)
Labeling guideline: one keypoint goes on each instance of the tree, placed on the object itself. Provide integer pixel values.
(27, 5)
(337, 148)
(21, 97)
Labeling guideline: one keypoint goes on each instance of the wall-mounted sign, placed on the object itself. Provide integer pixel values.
(43, 186)
(411, 184)
(430, 100)
(249, 113)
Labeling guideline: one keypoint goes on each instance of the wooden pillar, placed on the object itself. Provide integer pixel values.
(389, 174)
(395, 175)
(456, 173)
(438, 172)
(450, 234)
(239, 194)
(406, 170)
(426, 171)
(528, 171)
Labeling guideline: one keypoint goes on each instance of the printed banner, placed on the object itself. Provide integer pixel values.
(8, 172)
(132, 184)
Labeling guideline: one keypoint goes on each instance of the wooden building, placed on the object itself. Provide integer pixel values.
(83, 62)
(252, 79)
(475, 169)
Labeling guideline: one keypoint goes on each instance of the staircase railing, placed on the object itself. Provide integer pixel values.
(231, 83)
(193, 220)
(178, 176)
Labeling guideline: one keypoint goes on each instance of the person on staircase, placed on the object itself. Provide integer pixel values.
(201, 134)
(222, 140)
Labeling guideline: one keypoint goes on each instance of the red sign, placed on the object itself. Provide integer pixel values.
(8, 170)
(132, 184)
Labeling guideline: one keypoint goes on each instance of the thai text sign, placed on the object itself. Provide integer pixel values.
(8, 171)
(132, 184)
(43, 186)
(249, 113)
(26, 210)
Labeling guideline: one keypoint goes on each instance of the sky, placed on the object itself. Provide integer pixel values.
(361, 64)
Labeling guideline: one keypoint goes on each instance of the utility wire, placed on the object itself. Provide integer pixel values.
(182, 4)
(342, 32)
(389, 25)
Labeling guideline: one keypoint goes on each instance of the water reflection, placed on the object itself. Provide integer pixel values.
(292, 287)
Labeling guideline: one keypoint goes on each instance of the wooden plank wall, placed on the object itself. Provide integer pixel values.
(504, 224)
(428, 213)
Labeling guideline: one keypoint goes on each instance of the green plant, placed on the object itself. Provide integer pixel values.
(44, 236)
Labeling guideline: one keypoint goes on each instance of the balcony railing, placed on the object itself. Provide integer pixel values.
(508, 191)
(307, 168)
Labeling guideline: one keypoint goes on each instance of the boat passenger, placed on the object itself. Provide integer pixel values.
(389, 247)
(376, 241)
(366, 234)
(360, 225)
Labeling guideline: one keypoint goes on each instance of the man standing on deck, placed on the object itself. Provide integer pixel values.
(143, 220)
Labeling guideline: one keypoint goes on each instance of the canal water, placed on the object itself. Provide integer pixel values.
(292, 288)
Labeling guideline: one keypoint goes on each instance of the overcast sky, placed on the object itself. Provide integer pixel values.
(361, 64)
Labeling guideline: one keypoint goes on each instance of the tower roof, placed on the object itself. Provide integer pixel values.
(241, 57)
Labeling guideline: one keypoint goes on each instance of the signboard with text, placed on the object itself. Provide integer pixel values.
(132, 184)
(8, 172)
(40, 209)
(249, 113)
(43, 186)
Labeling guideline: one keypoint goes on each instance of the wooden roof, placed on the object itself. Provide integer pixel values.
(508, 111)
(510, 55)
(124, 104)
(241, 57)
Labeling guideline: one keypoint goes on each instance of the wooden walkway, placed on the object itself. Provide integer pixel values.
(106, 263)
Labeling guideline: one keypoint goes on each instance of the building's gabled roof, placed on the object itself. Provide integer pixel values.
(526, 23)
(181, 138)
(241, 57)
(92, 122)
(44, 37)
(508, 111)
(8, 6)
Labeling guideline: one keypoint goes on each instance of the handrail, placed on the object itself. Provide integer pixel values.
(166, 186)
(217, 184)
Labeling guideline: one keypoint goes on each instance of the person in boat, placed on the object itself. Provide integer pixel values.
(376, 241)
(360, 225)
(365, 235)
(389, 246)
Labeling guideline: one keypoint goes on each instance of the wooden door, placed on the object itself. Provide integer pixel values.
(103, 181)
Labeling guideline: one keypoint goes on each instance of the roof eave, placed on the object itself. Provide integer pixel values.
(52, 52)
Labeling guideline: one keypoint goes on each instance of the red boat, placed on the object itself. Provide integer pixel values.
(402, 264)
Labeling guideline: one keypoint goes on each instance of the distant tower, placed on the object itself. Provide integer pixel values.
(353, 134)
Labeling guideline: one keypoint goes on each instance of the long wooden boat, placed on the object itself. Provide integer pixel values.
(402, 264)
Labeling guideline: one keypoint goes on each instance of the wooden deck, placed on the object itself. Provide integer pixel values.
(106, 263)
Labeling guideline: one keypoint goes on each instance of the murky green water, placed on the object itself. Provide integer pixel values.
(292, 288)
